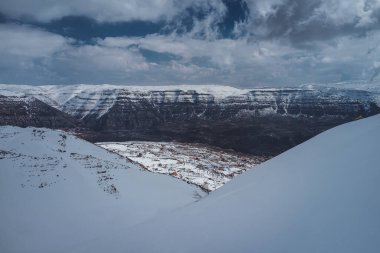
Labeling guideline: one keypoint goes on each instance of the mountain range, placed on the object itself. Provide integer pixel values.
(260, 121)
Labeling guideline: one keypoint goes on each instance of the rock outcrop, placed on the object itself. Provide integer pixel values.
(29, 111)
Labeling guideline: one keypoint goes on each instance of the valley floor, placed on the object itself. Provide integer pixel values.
(202, 165)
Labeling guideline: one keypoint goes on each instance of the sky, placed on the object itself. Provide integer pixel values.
(245, 43)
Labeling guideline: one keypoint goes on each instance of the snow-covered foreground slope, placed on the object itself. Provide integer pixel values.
(202, 165)
(321, 196)
(58, 192)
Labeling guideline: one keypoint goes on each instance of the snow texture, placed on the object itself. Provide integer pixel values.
(58, 192)
(321, 196)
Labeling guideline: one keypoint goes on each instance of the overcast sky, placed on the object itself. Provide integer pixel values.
(236, 42)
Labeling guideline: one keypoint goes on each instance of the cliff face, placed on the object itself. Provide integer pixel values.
(257, 121)
(128, 110)
(28, 111)
(264, 121)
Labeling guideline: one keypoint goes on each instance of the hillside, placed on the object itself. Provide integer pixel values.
(321, 196)
(57, 191)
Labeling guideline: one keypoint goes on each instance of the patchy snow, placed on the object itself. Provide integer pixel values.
(205, 166)
(69, 91)
(321, 196)
(82, 100)
(58, 192)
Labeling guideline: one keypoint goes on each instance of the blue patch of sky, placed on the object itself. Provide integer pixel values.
(237, 12)
(85, 29)
(156, 57)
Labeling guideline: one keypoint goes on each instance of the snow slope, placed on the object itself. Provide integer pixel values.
(57, 192)
(321, 196)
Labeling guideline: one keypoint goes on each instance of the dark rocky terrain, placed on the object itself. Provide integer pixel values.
(29, 111)
(258, 121)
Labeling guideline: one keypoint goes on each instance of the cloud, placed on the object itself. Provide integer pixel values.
(360, 13)
(102, 11)
(104, 58)
(24, 41)
(297, 20)
(247, 62)
(31, 54)
(274, 42)
(376, 71)
(308, 21)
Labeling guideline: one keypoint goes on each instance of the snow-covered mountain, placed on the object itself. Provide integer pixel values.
(96, 100)
(84, 100)
(321, 196)
(264, 121)
(57, 192)
(29, 111)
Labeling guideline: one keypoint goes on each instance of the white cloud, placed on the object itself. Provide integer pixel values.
(29, 42)
(223, 53)
(38, 56)
(264, 8)
(96, 57)
(31, 55)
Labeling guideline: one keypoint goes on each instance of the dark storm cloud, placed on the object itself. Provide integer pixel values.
(309, 21)
(180, 18)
